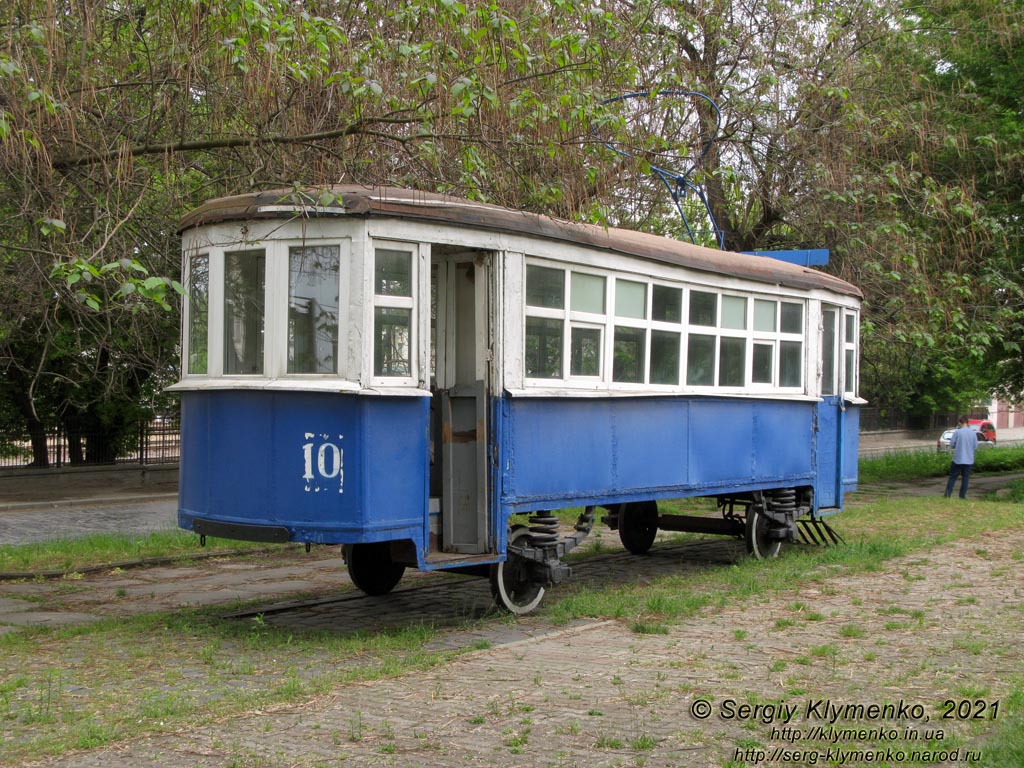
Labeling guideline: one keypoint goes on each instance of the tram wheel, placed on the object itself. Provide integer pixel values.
(638, 525)
(760, 543)
(371, 568)
(511, 584)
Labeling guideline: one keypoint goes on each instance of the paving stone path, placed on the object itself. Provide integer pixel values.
(931, 627)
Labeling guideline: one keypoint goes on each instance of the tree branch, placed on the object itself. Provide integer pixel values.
(91, 158)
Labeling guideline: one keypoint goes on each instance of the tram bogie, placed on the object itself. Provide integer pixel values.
(421, 380)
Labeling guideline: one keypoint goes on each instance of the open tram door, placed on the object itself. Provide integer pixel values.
(461, 333)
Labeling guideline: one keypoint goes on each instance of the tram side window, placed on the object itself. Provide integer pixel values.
(791, 344)
(587, 301)
(828, 351)
(666, 336)
(630, 342)
(778, 329)
(313, 308)
(244, 303)
(198, 313)
(700, 347)
(732, 349)
(392, 313)
(850, 353)
(545, 324)
(765, 326)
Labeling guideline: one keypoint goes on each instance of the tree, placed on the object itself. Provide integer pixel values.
(839, 121)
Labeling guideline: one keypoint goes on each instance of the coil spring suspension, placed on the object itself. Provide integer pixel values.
(543, 529)
(783, 501)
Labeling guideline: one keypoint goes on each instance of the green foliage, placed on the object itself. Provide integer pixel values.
(135, 280)
(896, 145)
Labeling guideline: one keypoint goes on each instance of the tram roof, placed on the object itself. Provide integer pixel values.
(385, 202)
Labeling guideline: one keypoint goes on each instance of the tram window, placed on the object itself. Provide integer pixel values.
(666, 304)
(587, 293)
(244, 298)
(628, 363)
(732, 354)
(393, 281)
(198, 312)
(585, 350)
(791, 364)
(392, 272)
(545, 287)
(544, 348)
(850, 354)
(828, 352)
(762, 367)
(630, 299)
(734, 312)
(664, 357)
(791, 351)
(764, 315)
(392, 342)
(792, 318)
(703, 308)
(700, 360)
(313, 308)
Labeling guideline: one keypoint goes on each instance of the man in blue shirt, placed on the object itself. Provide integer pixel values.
(963, 442)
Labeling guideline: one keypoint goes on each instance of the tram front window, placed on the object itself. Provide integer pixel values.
(313, 309)
(393, 280)
(244, 276)
(198, 312)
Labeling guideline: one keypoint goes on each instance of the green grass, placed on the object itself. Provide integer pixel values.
(77, 687)
(1004, 748)
(874, 533)
(155, 672)
(909, 465)
(1014, 493)
(100, 549)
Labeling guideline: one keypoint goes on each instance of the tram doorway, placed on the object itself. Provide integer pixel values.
(460, 340)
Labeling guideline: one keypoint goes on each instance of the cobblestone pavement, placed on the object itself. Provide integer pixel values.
(925, 629)
(594, 694)
(29, 523)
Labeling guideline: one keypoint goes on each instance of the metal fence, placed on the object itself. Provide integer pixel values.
(153, 442)
(885, 419)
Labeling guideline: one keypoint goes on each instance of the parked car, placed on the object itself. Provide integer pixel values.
(986, 434)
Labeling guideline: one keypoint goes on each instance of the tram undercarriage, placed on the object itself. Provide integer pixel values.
(762, 519)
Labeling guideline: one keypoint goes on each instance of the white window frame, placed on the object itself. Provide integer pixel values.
(846, 345)
(414, 303)
(186, 314)
(608, 322)
(269, 369)
(344, 246)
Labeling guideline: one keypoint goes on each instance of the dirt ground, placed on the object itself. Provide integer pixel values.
(858, 670)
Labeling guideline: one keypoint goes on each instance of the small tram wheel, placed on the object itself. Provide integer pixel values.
(638, 525)
(760, 543)
(511, 585)
(371, 568)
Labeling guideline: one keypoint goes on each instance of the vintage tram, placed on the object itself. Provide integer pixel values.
(423, 379)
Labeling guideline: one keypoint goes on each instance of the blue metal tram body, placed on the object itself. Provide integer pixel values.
(430, 470)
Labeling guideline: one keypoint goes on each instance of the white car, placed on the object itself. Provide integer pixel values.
(942, 444)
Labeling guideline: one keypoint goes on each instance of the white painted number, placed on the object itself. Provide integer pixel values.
(329, 463)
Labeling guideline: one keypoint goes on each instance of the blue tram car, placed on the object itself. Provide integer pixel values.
(422, 379)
